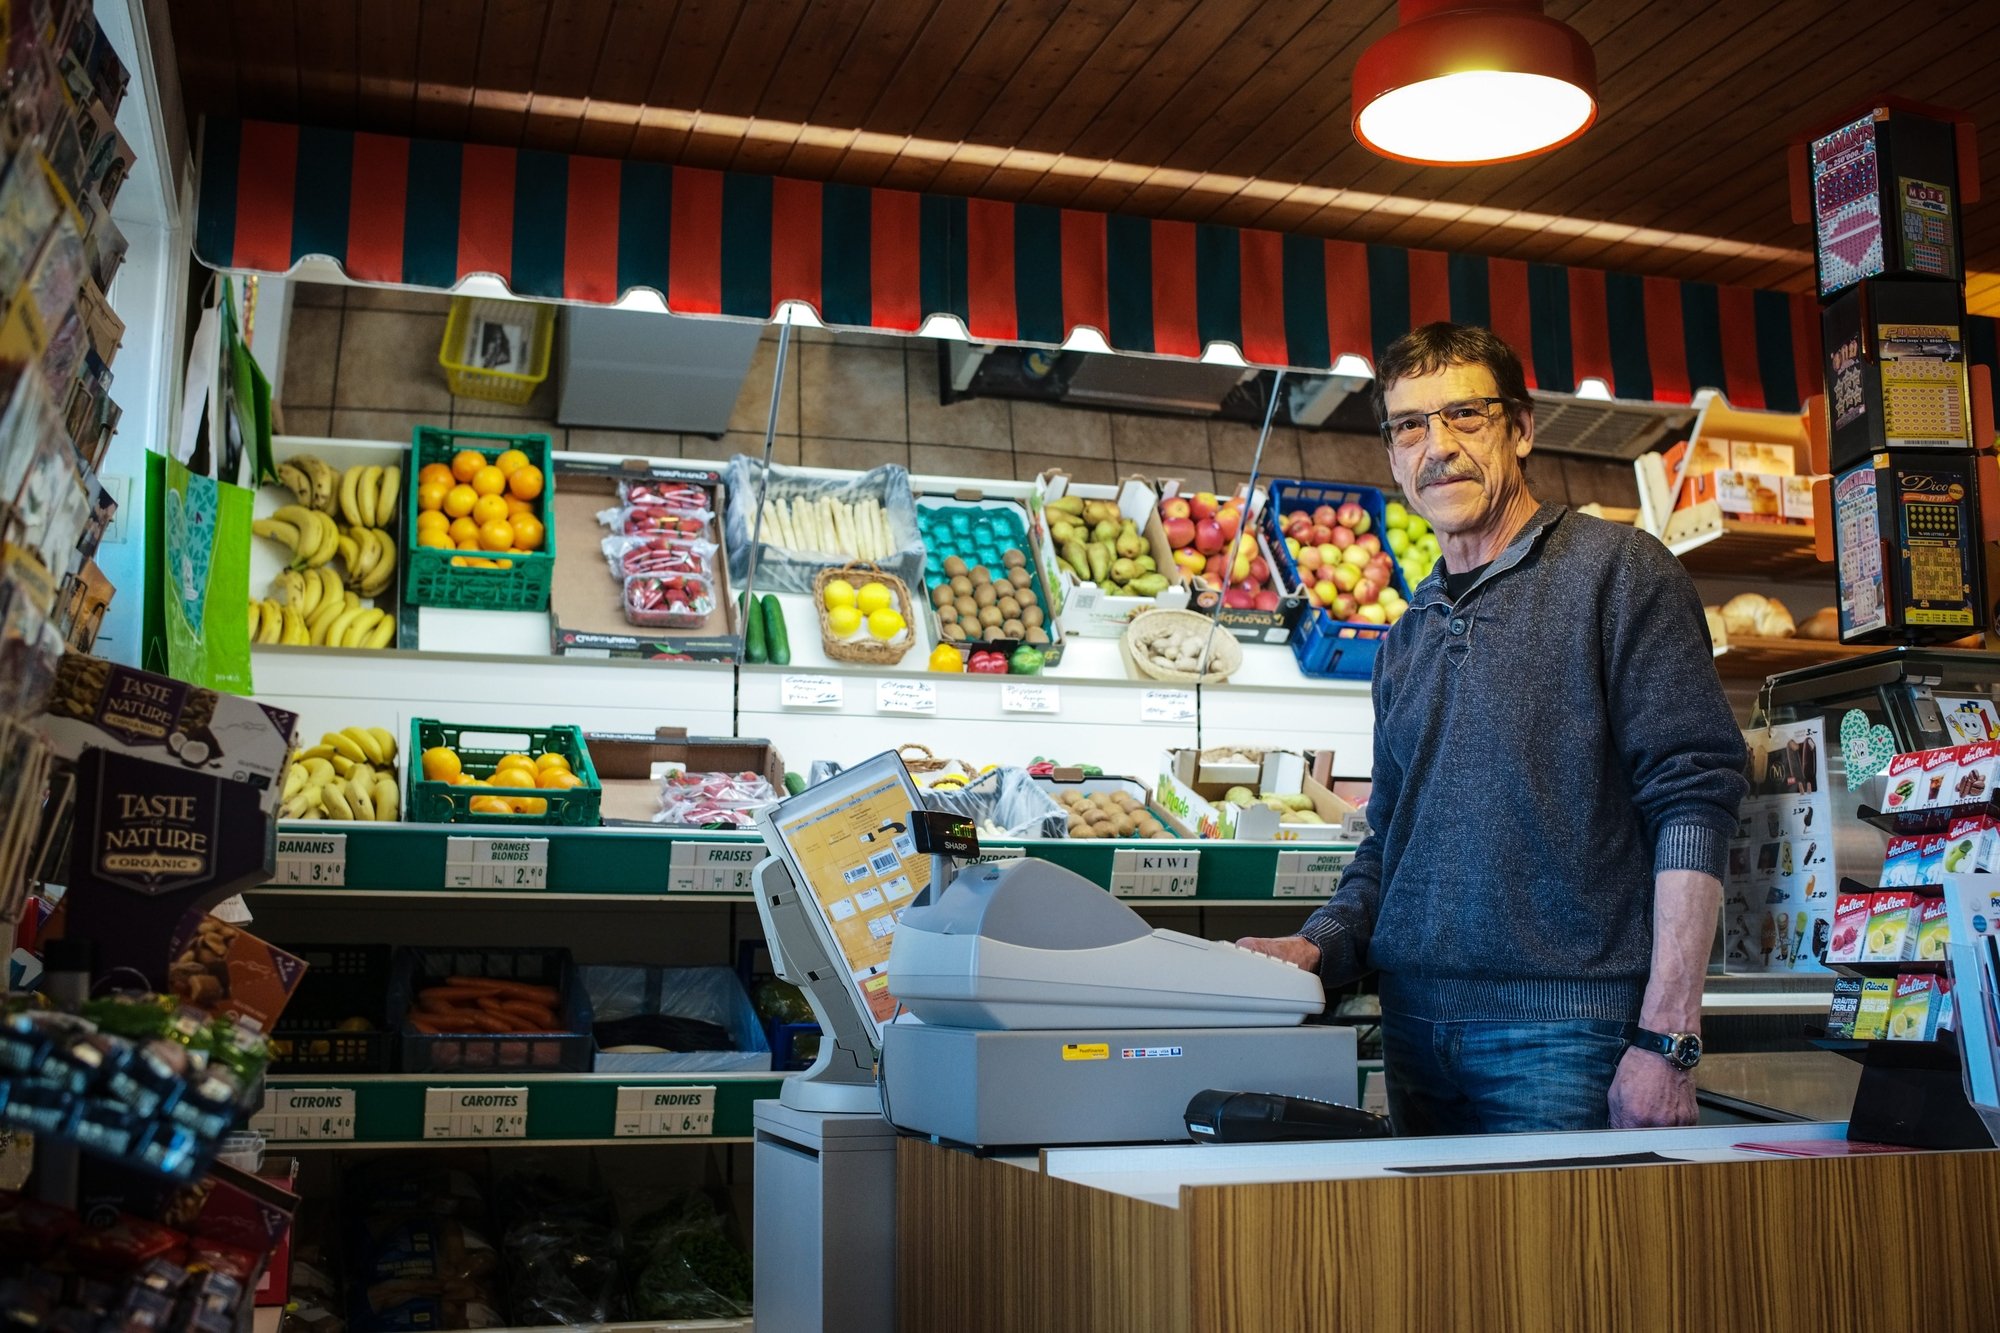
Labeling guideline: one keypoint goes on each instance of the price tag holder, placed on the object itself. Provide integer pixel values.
(1141, 874)
(1309, 874)
(809, 692)
(311, 860)
(1018, 696)
(905, 696)
(712, 867)
(306, 1115)
(1166, 706)
(496, 863)
(475, 1113)
(993, 851)
(665, 1113)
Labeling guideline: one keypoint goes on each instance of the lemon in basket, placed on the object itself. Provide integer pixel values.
(839, 593)
(874, 597)
(883, 623)
(843, 620)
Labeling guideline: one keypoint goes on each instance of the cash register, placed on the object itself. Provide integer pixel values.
(1011, 1003)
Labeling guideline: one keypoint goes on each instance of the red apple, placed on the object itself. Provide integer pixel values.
(1267, 600)
(1352, 515)
(1339, 537)
(1321, 534)
(1342, 607)
(1239, 569)
(1229, 518)
(1356, 556)
(1173, 507)
(1189, 560)
(1208, 538)
(1326, 516)
(1371, 541)
(1238, 600)
(1366, 591)
(1179, 530)
(1213, 570)
(1260, 570)
(1329, 554)
(1373, 614)
(1309, 558)
(1202, 505)
(1344, 577)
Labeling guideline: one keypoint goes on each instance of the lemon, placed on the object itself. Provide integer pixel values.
(882, 622)
(844, 620)
(872, 598)
(838, 593)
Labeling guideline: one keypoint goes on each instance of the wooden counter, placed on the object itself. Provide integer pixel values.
(1715, 1241)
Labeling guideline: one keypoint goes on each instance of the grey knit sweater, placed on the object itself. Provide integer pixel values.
(1543, 747)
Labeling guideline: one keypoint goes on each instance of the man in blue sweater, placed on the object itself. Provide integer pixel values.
(1556, 776)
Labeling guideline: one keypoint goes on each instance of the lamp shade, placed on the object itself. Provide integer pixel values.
(1472, 82)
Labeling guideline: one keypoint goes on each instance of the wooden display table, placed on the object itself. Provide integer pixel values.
(1290, 1238)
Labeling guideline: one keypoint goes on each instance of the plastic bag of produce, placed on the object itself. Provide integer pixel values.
(628, 555)
(692, 1018)
(1004, 803)
(712, 800)
(684, 1264)
(562, 1249)
(812, 522)
(679, 496)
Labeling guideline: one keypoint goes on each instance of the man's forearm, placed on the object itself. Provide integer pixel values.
(1685, 904)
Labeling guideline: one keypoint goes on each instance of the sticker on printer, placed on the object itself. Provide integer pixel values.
(1086, 1050)
(1149, 1053)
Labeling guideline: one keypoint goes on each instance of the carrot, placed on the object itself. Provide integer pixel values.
(521, 990)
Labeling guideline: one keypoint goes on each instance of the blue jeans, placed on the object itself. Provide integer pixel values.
(1499, 1078)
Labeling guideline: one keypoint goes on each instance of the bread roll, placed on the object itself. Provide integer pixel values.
(1739, 613)
(1775, 621)
(1821, 624)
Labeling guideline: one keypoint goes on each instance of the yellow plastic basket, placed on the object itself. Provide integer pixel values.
(486, 343)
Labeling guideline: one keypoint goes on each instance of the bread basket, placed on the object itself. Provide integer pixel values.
(1225, 654)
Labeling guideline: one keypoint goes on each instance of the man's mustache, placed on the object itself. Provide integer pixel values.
(1433, 473)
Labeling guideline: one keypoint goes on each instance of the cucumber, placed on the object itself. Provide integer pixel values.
(794, 784)
(753, 631)
(777, 639)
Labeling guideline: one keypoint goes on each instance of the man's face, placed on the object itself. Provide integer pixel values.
(1459, 482)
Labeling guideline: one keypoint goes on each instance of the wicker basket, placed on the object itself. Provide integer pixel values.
(1225, 654)
(865, 651)
(919, 758)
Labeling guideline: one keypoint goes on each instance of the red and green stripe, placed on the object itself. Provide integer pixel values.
(427, 213)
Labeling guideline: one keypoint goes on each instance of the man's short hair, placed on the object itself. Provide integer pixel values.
(1429, 348)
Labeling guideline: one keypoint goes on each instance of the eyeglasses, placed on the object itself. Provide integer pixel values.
(1468, 416)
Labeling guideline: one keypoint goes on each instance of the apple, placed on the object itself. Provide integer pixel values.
(1417, 525)
(1371, 613)
(1308, 558)
(1396, 611)
(1344, 577)
(1239, 569)
(1366, 591)
(1326, 516)
(1267, 600)
(1399, 542)
(1370, 541)
(1260, 570)
(1395, 515)
(1173, 507)
(1342, 607)
(1238, 600)
(1325, 592)
(1189, 560)
(1229, 518)
(1292, 547)
(1352, 515)
(1179, 531)
(1202, 505)
(1208, 538)
(1212, 570)
(1356, 556)
(1340, 537)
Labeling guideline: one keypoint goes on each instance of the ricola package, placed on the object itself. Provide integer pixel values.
(1904, 788)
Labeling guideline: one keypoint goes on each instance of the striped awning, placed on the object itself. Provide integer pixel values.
(431, 213)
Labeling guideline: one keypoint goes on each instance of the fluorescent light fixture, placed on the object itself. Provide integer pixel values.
(944, 326)
(1594, 388)
(483, 284)
(1222, 354)
(1083, 338)
(797, 314)
(1356, 366)
(642, 298)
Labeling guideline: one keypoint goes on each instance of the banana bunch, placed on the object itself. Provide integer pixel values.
(313, 537)
(370, 554)
(350, 774)
(368, 495)
(275, 622)
(313, 481)
(328, 614)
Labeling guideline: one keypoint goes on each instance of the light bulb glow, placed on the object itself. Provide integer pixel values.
(1475, 116)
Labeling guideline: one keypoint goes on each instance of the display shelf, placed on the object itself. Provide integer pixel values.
(409, 860)
(1743, 550)
(1912, 966)
(1750, 658)
(389, 1109)
(1858, 1050)
(1936, 820)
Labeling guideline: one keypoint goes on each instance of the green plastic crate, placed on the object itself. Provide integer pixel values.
(433, 802)
(429, 577)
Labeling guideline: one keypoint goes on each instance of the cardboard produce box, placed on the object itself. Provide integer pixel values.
(586, 602)
(625, 766)
(1193, 783)
(1081, 606)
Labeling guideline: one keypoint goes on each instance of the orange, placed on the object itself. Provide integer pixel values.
(517, 757)
(458, 501)
(489, 480)
(432, 518)
(561, 779)
(530, 805)
(515, 506)
(464, 530)
(435, 474)
(459, 779)
(490, 805)
(551, 759)
(525, 482)
(435, 537)
(471, 545)
(496, 536)
(430, 495)
(488, 508)
(441, 763)
(510, 461)
(527, 532)
(515, 776)
(465, 464)
(460, 562)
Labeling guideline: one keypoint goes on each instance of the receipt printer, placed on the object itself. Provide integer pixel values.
(1040, 1010)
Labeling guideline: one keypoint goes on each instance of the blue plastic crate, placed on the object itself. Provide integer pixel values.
(1341, 649)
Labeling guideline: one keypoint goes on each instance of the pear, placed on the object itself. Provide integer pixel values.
(1130, 544)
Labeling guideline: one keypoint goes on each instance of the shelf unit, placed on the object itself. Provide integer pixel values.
(1744, 550)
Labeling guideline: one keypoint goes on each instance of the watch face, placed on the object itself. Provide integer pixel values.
(1686, 1051)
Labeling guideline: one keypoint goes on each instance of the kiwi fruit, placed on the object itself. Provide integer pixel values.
(952, 632)
(954, 565)
(972, 628)
(1008, 607)
(961, 586)
(1019, 577)
(941, 595)
(1013, 558)
(1013, 629)
(990, 617)
(965, 606)
(1126, 826)
(983, 594)
(1037, 635)
(981, 574)
(1031, 615)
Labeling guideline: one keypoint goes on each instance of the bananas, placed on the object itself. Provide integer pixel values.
(312, 536)
(350, 774)
(312, 481)
(313, 607)
(367, 495)
(345, 513)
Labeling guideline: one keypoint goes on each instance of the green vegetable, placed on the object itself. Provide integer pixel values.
(1026, 661)
(753, 631)
(777, 639)
(794, 783)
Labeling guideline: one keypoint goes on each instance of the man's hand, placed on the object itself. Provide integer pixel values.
(1297, 950)
(1647, 1092)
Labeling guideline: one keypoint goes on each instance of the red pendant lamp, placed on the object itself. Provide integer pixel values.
(1469, 82)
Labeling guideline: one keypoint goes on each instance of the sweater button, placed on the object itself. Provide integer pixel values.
(1458, 625)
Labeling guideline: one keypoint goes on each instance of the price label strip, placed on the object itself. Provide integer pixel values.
(1020, 697)
(809, 692)
(993, 851)
(1309, 874)
(1166, 706)
(496, 863)
(311, 860)
(475, 1113)
(906, 696)
(306, 1115)
(665, 1113)
(1141, 874)
(710, 867)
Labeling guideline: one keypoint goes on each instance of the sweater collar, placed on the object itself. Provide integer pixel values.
(1431, 591)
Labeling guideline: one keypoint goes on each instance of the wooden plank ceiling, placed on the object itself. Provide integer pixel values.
(1230, 111)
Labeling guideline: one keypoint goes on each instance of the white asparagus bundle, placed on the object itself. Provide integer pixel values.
(839, 527)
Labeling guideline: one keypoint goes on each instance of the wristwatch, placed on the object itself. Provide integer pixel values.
(1682, 1050)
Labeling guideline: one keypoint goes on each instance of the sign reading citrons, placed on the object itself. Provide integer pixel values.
(474, 504)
